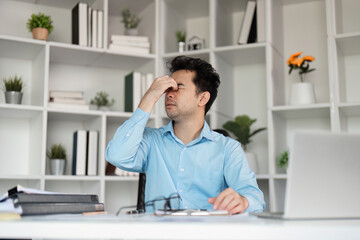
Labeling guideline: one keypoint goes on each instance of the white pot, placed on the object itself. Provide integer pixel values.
(131, 31)
(252, 160)
(302, 93)
(181, 46)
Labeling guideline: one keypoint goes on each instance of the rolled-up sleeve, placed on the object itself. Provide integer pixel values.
(129, 147)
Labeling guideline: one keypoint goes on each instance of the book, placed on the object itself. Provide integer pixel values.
(59, 208)
(92, 152)
(21, 197)
(9, 216)
(89, 26)
(68, 100)
(79, 153)
(129, 38)
(132, 91)
(79, 24)
(146, 81)
(253, 31)
(100, 24)
(94, 28)
(260, 20)
(246, 23)
(66, 94)
(131, 43)
(69, 106)
(129, 49)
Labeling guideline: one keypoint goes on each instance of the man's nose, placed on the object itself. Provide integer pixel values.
(170, 93)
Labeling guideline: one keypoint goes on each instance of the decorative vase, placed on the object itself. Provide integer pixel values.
(57, 166)
(13, 97)
(302, 93)
(40, 33)
(252, 161)
(131, 31)
(181, 46)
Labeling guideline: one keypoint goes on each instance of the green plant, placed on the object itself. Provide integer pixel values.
(40, 20)
(283, 159)
(181, 36)
(57, 151)
(241, 129)
(129, 19)
(102, 99)
(13, 84)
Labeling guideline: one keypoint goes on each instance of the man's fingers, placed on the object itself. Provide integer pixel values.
(211, 200)
(228, 199)
(238, 209)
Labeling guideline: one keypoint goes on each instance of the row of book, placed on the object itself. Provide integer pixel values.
(87, 26)
(85, 153)
(136, 85)
(68, 99)
(253, 24)
(26, 201)
(130, 44)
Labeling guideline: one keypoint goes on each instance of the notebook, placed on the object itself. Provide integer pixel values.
(323, 177)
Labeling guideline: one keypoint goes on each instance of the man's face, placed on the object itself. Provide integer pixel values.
(183, 102)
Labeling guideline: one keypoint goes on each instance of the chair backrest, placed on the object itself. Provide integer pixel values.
(141, 192)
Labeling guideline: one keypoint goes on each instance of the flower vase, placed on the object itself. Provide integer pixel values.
(181, 47)
(302, 93)
(131, 31)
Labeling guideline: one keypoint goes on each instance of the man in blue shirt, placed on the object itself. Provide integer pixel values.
(207, 169)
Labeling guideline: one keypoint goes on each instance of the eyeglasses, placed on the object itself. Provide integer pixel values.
(160, 206)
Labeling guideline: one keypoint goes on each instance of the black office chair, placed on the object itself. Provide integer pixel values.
(141, 193)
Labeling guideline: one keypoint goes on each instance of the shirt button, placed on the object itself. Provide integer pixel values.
(184, 147)
(186, 207)
(180, 190)
(140, 117)
(181, 169)
(127, 135)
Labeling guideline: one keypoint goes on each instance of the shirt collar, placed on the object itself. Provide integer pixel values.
(206, 132)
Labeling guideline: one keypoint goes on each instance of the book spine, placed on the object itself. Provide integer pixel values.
(66, 94)
(246, 23)
(129, 92)
(79, 153)
(89, 26)
(260, 20)
(57, 208)
(100, 29)
(92, 152)
(75, 24)
(94, 28)
(83, 24)
(136, 90)
(130, 38)
(253, 31)
(54, 198)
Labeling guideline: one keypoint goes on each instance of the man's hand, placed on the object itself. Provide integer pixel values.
(156, 90)
(229, 200)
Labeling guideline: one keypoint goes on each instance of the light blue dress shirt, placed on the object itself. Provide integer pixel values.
(196, 171)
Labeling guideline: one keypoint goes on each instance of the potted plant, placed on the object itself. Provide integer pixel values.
(301, 92)
(40, 25)
(57, 157)
(101, 100)
(131, 22)
(181, 38)
(241, 129)
(283, 160)
(12, 89)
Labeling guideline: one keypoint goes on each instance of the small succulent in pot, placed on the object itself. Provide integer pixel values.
(13, 87)
(40, 25)
(102, 100)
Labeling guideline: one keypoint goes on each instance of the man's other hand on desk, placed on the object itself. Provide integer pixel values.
(229, 200)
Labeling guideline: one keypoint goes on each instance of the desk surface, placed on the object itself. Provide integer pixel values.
(151, 227)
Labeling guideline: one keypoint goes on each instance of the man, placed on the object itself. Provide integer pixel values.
(207, 169)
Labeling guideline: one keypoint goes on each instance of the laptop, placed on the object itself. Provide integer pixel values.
(323, 177)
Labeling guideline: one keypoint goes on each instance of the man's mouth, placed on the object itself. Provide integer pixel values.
(169, 104)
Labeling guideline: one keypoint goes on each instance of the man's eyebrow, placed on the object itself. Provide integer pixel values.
(180, 84)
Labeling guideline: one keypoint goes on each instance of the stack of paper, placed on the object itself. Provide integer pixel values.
(130, 44)
(68, 99)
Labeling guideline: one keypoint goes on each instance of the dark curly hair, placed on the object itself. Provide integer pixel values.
(206, 78)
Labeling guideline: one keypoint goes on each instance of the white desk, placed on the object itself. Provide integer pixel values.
(150, 227)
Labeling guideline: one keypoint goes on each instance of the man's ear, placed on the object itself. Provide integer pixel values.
(204, 98)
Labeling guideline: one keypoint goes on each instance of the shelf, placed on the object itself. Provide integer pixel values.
(72, 115)
(20, 177)
(19, 111)
(71, 178)
(320, 110)
(262, 176)
(280, 176)
(348, 43)
(202, 53)
(11, 46)
(350, 109)
(243, 55)
(68, 4)
(121, 178)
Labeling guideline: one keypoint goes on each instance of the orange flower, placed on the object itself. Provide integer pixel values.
(297, 61)
(293, 57)
(308, 58)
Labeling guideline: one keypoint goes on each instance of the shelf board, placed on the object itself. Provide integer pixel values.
(68, 4)
(121, 178)
(190, 8)
(243, 54)
(280, 176)
(262, 176)
(10, 47)
(350, 109)
(72, 115)
(19, 111)
(20, 177)
(202, 53)
(348, 43)
(321, 110)
(128, 61)
(71, 178)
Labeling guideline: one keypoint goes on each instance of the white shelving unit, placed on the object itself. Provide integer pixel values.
(254, 77)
